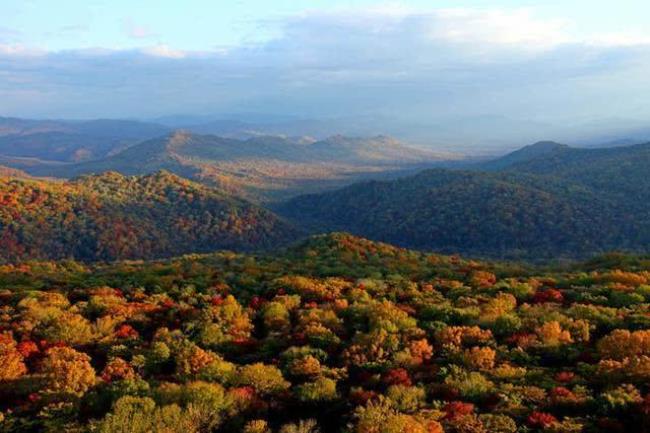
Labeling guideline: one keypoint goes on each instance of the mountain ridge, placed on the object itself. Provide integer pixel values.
(542, 201)
(257, 168)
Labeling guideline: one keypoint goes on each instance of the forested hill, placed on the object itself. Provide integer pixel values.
(111, 216)
(544, 201)
(539, 150)
(259, 168)
(184, 152)
(622, 171)
(477, 213)
(335, 335)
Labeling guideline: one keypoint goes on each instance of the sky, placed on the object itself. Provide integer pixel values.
(568, 62)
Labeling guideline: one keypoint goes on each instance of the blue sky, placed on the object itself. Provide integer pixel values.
(569, 63)
(209, 24)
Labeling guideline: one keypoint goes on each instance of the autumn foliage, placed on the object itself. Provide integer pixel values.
(337, 334)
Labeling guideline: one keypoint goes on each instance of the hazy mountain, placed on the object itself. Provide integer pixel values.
(12, 172)
(459, 134)
(258, 166)
(71, 141)
(58, 146)
(16, 126)
(110, 216)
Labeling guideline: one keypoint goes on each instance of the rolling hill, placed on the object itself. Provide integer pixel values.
(541, 149)
(71, 141)
(543, 201)
(259, 167)
(111, 216)
(12, 172)
(621, 171)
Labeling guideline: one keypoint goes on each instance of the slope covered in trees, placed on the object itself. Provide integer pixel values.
(111, 216)
(619, 171)
(386, 341)
(544, 201)
(263, 167)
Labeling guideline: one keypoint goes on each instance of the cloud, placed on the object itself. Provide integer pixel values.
(137, 31)
(20, 50)
(621, 39)
(416, 64)
(9, 35)
(518, 28)
(163, 51)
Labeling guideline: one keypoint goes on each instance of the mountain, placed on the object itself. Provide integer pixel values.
(621, 171)
(12, 172)
(451, 133)
(58, 146)
(258, 167)
(525, 154)
(489, 214)
(543, 201)
(17, 126)
(111, 216)
(71, 141)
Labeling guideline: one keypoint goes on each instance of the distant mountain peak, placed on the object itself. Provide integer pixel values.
(545, 145)
(526, 153)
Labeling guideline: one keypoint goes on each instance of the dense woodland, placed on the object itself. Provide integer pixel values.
(336, 334)
(545, 201)
(105, 327)
(110, 216)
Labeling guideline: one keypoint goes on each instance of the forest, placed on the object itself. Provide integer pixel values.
(543, 202)
(333, 334)
(324, 216)
(111, 216)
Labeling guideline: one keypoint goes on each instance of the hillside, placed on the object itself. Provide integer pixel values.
(266, 167)
(71, 141)
(539, 150)
(498, 215)
(387, 340)
(111, 216)
(12, 172)
(543, 201)
(622, 171)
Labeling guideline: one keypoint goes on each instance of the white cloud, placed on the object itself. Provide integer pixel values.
(137, 31)
(164, 51)
(20, 50)
(499, 27)
(421, 64)
(620, 39)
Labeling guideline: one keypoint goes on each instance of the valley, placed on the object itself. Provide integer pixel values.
(544, 202)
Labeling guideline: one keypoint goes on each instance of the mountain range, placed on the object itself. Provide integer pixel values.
(71, 141)
(544, 201)
(260, 168)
